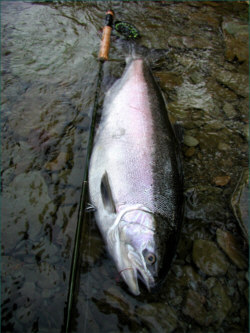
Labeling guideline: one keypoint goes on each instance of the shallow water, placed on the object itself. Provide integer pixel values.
(49, 73)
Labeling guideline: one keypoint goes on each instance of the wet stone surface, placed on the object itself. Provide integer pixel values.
(199, 55)
(209, 258)
(230, 246)
(153, 314)
(195, 308)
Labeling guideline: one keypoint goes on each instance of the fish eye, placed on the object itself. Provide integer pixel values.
(150, 258)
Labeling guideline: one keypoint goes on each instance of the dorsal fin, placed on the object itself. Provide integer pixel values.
(107, 197)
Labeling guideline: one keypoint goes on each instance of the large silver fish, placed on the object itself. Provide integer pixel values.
(135, 179)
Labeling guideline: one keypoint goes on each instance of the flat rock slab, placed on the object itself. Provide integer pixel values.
(208, 258)
(230, 246)
(159, 317)
(195, 308)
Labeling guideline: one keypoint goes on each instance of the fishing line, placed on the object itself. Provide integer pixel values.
(103, 56)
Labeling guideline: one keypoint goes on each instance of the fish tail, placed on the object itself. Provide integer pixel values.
(132, 49)
(136, 51)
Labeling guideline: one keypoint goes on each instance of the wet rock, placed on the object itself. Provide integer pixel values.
(213, 125)
(66, 226)
(186, 61)
(26, 206)
(229, 110)
(196, 77)
(189, 42)
(117, 300)
(220, 303)
(242, 285)
(210, 282)
(245, 131)
(190, 141)
(41, 140)
(25, 315)
(241, 275)
(96, 249)
(70, 197)
(235, 81)
(54, 306)
(218, 90)
(195, 308)
(236, 39)
(177, 300)
(234, 28)
(196, 98)
(229, 245)
(89, 325)
(177, 109)
(47, 293)
(76, 176)
(190, 152)
(175, 41)
(223, 146)
(169, 80)
(197, 42)
(209, 258)
(46, 276)
(231, 290)
(44, 250)
(23, 251)
(221, 180)
(158, 317)
(244, 315)
(69, 176)
(239, 202)
(232, 273)
(58, 163)
(204, 205)
(11, 268)
(48, 113)
(187, 276)
(204, 18)
(19, 155)
(7, 177)
(236, 49)
(29, 290)
(246, 294)
(243, 106)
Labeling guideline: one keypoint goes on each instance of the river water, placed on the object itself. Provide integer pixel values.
(199, 56)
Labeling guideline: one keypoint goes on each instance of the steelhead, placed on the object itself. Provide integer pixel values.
(135, 178)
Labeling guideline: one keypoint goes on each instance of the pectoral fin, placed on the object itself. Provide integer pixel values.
(90, 208)
(107, 197)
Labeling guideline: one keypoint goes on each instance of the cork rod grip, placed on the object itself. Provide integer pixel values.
(105, 43)
(104, 49)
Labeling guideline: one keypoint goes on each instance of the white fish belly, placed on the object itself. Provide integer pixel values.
(124, 144)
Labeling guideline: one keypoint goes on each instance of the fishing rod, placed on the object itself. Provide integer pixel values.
(103, 56)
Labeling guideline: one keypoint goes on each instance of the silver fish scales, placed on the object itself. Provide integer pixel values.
(135, 178)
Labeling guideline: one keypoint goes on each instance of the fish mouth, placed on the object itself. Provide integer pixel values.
(132, 275)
